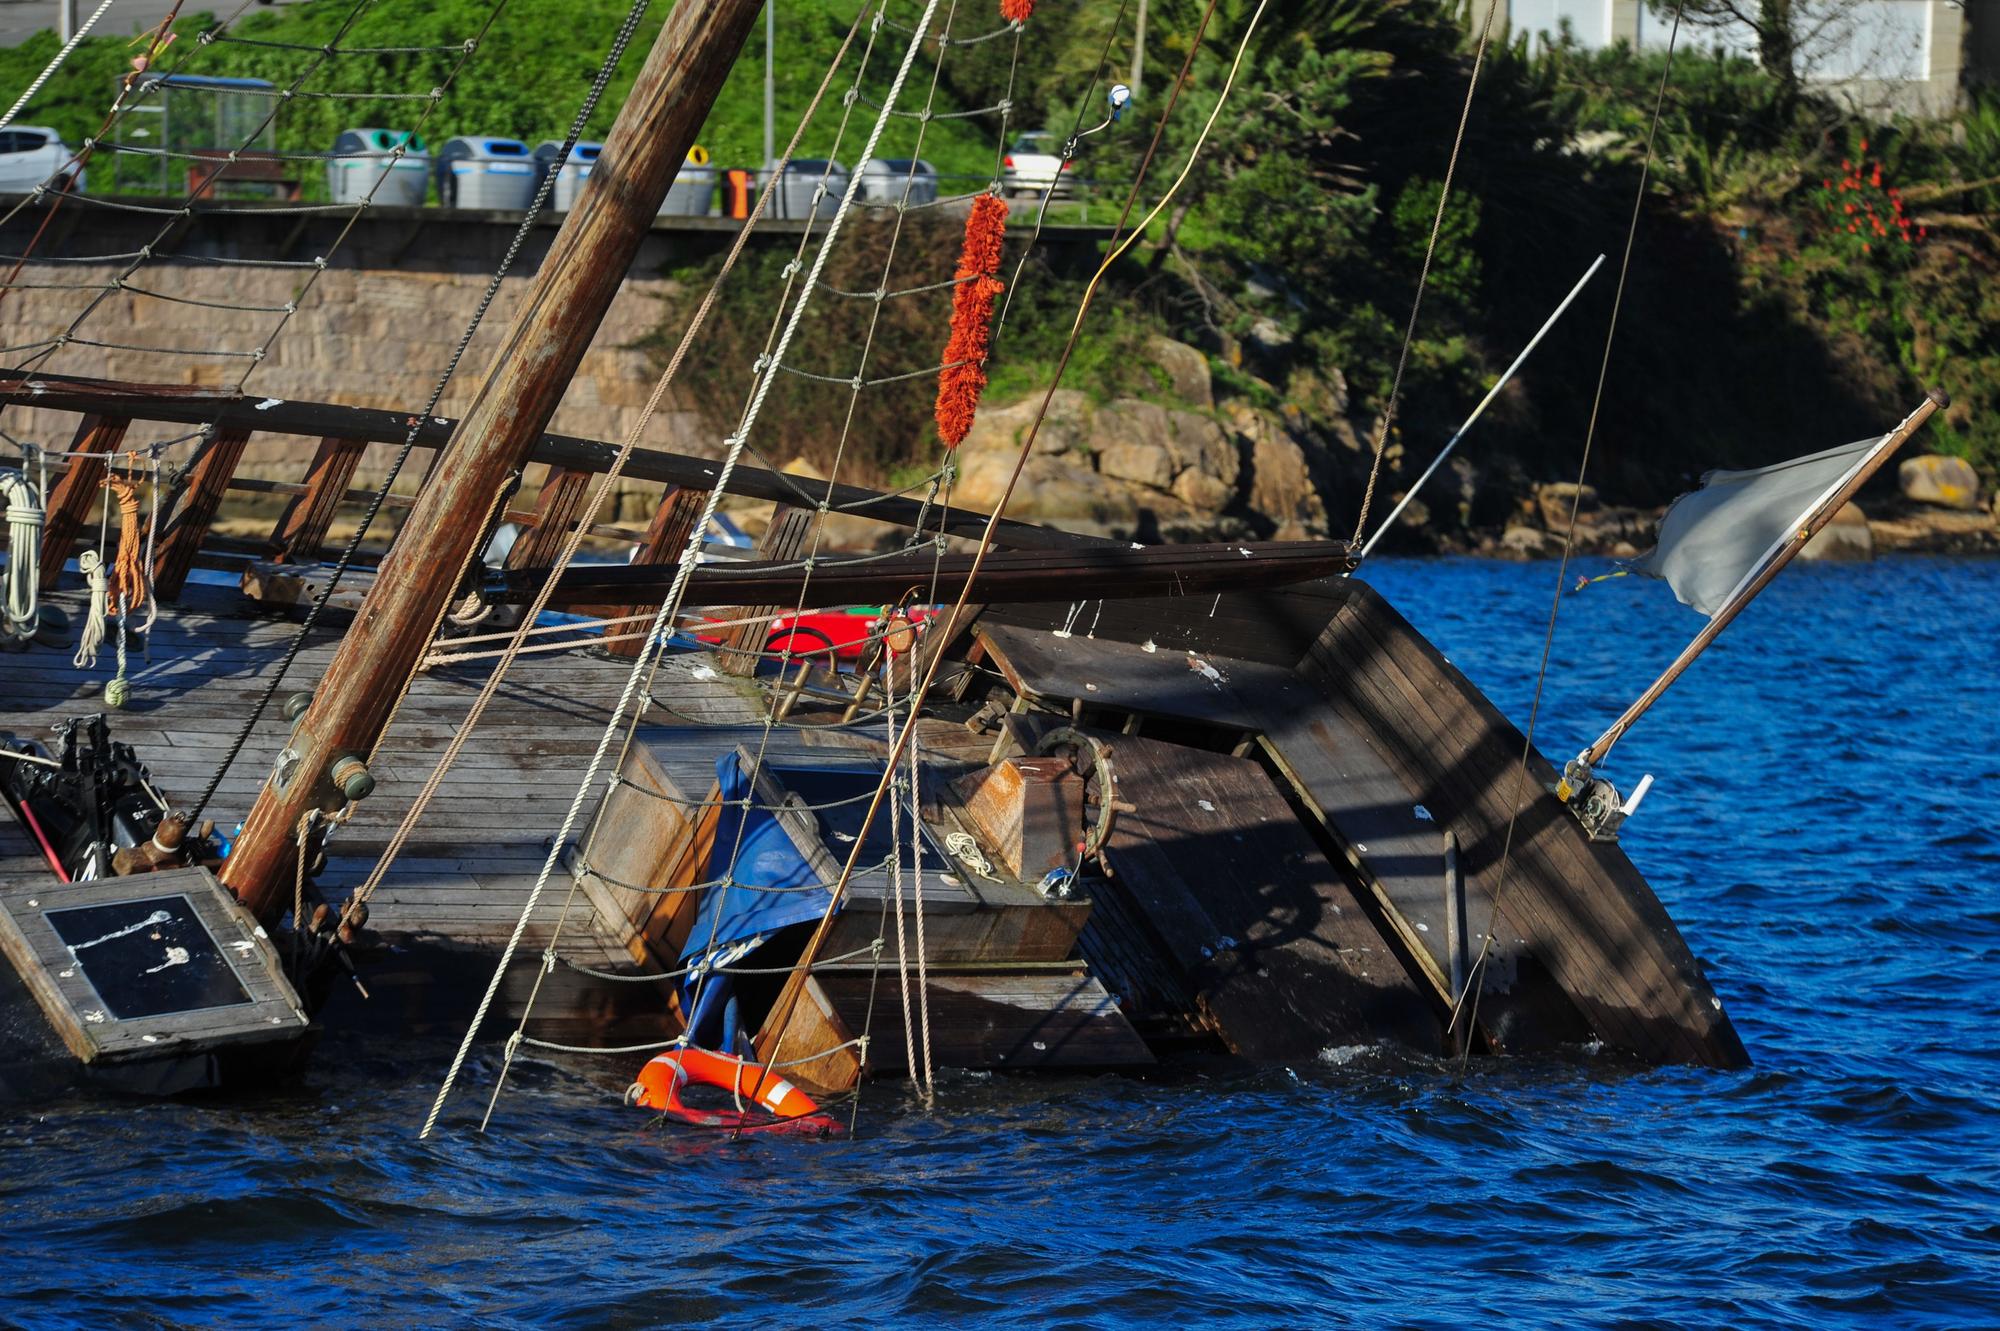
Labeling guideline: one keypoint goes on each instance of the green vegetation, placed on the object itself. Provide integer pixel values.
(1762, 318)
(525, 80)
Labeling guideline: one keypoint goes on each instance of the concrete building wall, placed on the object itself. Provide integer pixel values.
(1911, 57)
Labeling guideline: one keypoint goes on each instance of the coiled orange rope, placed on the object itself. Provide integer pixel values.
(964, 377)
(128, 571)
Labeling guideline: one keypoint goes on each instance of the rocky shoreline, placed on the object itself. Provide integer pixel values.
(1186, 465)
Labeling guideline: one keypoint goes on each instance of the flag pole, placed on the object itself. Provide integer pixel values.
(1773, 564)
(1477, 411)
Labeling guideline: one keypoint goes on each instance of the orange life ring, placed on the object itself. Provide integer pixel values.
(778, 1103)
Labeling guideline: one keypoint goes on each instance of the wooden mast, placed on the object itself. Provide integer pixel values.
(352, 705)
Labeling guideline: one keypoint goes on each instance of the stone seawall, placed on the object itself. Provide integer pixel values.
(367, 339)
(374, 328)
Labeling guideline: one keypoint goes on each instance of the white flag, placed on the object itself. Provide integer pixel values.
(1715, 540)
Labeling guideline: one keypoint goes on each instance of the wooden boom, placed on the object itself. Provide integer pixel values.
(1112, 572)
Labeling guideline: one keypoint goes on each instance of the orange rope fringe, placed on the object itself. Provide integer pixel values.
(1016, 11)
(128, 575)
(964, 377)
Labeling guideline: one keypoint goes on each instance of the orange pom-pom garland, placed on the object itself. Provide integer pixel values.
(1016, 11)
(964, 377)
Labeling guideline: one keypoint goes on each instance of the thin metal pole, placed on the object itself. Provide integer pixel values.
(1479, 410)
(65, 20)
(770, 77)
(1138, 47)
(1809, 527)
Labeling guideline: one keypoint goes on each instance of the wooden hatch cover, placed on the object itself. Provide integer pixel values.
(147, 966)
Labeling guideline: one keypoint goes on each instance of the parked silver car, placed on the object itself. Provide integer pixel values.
(32, 155)
(1033, 162)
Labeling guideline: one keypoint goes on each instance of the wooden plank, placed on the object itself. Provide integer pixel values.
(301, 529)
(174, 548)
(742, 646)
(1054, 667)
(1283, 957)
(1191, 572)
(68, 508)
(1272, 625)
(556, 511)
(998, 1020)
(227, 408)
(665, 540)
(1579, 907)
(815, 1047)
(63, 987)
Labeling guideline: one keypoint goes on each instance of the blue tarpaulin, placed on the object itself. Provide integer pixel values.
(763, 857)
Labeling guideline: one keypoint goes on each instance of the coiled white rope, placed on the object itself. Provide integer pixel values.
(91, 564)
(25, 514)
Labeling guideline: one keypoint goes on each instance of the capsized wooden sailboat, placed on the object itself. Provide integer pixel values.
(1137, 802)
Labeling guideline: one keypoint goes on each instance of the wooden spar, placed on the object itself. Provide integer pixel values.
(1936, 399)
(585, 266)
(193, 405)
(1107, 572)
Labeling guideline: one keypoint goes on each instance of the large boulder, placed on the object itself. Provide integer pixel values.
(1198, 443)
(1845, 540)
(1186, 369)
(1002, 428)
(1555, 500)
(1141, 463)
(1051, 489)
(1933, 478)
(1281, 483)
(1519, 542)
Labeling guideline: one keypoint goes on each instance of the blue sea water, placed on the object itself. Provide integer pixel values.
(1823, 828)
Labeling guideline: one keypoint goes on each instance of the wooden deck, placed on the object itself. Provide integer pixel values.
(460, 883)
(453, 897)
(1386, 745)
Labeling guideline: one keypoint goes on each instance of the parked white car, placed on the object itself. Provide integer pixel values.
(30, 155)
(1033, 162)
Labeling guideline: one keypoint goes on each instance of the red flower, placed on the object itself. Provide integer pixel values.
(1016, 11)
(1864, 145)
(1864, 247)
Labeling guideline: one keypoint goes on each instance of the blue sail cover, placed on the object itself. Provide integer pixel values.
(764, 857)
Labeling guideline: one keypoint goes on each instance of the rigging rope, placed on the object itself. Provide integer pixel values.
(48, 71)
(1423, 277)
(685, 569)
(26, 512)
(789, 997)
(381, 495)
(1467, 1002)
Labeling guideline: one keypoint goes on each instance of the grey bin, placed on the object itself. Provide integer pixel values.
(475, 171)
(569, 183)
(365, 159)
(883, 180)
(794, 196)
(692, 194)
